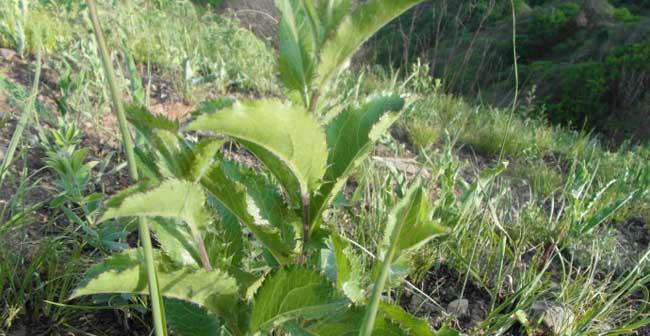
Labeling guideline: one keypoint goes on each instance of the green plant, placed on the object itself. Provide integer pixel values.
(581, 95)
(143, 229)
(624, 15)
(30, 106)
(308, 148)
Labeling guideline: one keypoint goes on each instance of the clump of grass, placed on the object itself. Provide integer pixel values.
(543, 180)
(495, 132)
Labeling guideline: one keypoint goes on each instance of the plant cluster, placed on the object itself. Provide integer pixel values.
(295, 275)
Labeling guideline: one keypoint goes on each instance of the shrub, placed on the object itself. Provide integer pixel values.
(580, 96)
(624, 15)
(629, 70)
(544, 30)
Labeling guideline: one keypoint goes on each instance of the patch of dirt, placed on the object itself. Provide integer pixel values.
(445, 284)
(635, 236)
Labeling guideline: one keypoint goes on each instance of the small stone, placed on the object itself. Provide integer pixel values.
(7, 54)
(554, 316)
(459, 308)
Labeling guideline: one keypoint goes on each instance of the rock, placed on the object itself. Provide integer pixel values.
(7, 54)
(554, 316)
(458, 308)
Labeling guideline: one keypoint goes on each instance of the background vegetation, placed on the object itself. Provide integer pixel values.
(598, 48)
(547, 204)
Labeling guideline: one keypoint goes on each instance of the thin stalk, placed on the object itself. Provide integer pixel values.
(371, 312)
(157, 308)
(24, 119)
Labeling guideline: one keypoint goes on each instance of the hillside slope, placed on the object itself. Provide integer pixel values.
(582, 62)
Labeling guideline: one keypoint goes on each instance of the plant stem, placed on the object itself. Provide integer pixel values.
(157, 308)
(22, 123)
(373, 306)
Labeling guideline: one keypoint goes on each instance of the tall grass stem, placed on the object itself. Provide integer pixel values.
(157, 308)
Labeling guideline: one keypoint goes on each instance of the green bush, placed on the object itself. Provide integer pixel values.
(629, 71)
(624, 15)
(544, 30)
(580, 95)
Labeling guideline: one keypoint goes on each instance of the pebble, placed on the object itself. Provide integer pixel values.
(458, 308)
(7, 54)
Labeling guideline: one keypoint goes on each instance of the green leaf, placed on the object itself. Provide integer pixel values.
(353, 31)
(297, 46)
(605, 212)
(203, 156)
(351, 137)
(146, 121)
(291, 293)
(331, 13)
(125, 273)
(138, 94)
(445, 331)
(175, 241)
(348, 324)
(348, 271)
(212, 106)
(225, 246)
(270, 206)
(413, 326)
(234, 197)
(172, 199)
(188, 319)
(287, 139)
(409, 224)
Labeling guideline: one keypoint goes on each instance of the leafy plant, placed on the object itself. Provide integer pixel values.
(202, 203)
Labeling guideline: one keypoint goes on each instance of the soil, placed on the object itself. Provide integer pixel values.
(445, 284)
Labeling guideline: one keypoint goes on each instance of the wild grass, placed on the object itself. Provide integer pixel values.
(199, 52)
(536, 247)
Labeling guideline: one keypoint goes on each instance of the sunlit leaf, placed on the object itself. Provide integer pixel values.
(354, 30)
(287, 139)
(351, 137)
(291, 293)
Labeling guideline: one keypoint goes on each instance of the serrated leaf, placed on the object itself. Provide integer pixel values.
(348, 324)
(353, 31)
(188, 319)
(147, 166)
(350, 138)
(348, 272)
(234, 197)
(172, 199)
(291, 293)
(413, 326)
(409, 224)
(270, 205)
(174, 156)
(297, 40)
(225, 246)
(212, 106)
(125, 273)
(175, 241)
(144, 120)
(287, 139)
(203, 155)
